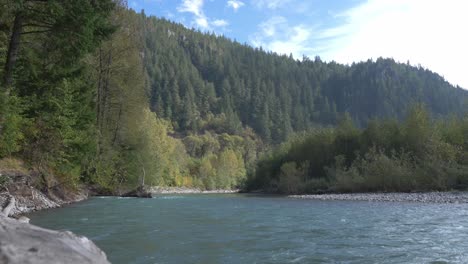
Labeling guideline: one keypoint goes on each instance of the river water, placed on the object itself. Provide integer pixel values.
(261, 229)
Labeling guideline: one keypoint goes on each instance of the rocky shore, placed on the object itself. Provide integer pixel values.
(150, 192)
(29, 198)
(428, 197)
(21, 242)
(183, 190)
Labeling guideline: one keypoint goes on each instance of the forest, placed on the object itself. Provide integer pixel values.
(95, 93)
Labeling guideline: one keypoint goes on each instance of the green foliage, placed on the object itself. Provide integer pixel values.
(11, 135)
(47, 115)
(375, 172)
(218, 161)
(419, 154)
(291, 178)
(158, 153)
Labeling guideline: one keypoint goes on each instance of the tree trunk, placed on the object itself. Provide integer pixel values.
(117, 127)
(144, 176)
(13, 51)
(143, 170)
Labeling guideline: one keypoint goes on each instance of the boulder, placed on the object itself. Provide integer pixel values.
(24, 243)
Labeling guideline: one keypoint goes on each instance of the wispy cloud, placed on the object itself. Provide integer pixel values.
(195, 7)
(220, 23)
(270, 4)
(277, 35)
(134, 4)
(235, 4)
(427, 32)
(191, 6)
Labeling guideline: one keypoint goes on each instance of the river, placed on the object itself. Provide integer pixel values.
(239, 228)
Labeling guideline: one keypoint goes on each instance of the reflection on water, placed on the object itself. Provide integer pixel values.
(256, 229)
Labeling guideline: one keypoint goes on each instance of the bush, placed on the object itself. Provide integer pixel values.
(376, 172)
(416, 155)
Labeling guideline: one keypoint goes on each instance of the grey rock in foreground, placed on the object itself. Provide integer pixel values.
(22, 243)
(430, 197)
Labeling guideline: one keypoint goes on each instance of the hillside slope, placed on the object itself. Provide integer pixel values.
(195, 75)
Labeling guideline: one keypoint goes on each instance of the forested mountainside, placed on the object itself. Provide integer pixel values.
(195, 77)
(95, 93)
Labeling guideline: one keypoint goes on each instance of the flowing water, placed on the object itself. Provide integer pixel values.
(262, 229)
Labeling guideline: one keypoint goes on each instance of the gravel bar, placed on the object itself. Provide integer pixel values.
(429, 197)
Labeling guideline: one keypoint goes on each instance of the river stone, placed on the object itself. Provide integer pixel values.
(22, 243)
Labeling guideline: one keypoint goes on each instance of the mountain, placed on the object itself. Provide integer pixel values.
(195, 76)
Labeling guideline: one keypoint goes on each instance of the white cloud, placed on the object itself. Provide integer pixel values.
(427, 32)
(270, 4)
(270, 27)
(219, 23)
(277, 35)
(191, 6)
(431, 33)
(235, 4)
(195, 7)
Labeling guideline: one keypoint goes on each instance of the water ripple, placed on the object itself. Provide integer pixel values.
(233, 229)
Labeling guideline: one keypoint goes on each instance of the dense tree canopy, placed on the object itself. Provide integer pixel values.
(194, 76)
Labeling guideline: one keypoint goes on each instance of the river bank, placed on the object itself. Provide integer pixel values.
(426, 197)
(29, 198)
(184, 190)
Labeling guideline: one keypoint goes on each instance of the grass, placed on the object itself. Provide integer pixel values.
(11, 164)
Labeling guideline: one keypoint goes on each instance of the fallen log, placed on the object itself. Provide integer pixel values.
(140, 192)
(7, 209)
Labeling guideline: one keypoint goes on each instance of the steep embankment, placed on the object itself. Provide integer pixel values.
(32, 190)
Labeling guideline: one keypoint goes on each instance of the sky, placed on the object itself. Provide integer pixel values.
(430, 33)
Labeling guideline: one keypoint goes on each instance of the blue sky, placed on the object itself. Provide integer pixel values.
(431, 33)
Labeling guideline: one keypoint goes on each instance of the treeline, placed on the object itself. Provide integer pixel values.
(195, 76)
(420, 154)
